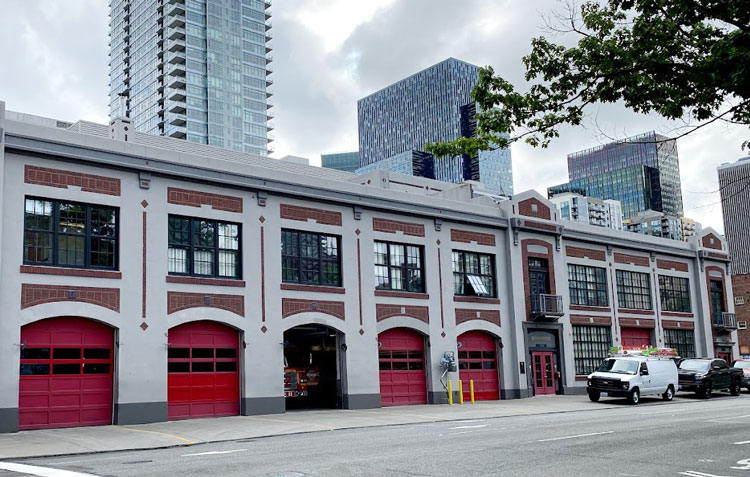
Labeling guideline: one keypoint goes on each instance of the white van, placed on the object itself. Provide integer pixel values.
(634, 376)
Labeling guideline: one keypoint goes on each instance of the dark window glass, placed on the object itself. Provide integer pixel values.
(70, 234)
(226, 353)
(475, 355)
(384, 354)
(96, 368)
(633, 290)
(178, 353)
(202, 247)
(473, 274)
(310, 258)
(683, 341)
(415, 365)
(178, 367)
(385, 365)
(34, 369)
(203, 352)
(203, 367)
(398, 267)
(35, 353)
(463, 355)
(588, 285)
(226, 366)
(96, 353)
(67, 368)
(399, 354)
(590, 347)
(415, 355)
(400, 366)
(66, 353)
(675, 293)
(488, 355)
(488, 364)
(475, 365)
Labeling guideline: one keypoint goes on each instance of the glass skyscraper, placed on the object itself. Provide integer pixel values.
(642, 172)
(193, 69)
(432, 105)
(342, 161)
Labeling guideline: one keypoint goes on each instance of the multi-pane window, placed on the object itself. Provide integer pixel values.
(70, 234)
(675, 293)
(310, 258)
(398, 267)
(681, 340)
(473, 274)
(633, 290)
(204, 248)
(588, 285)
(590, 346)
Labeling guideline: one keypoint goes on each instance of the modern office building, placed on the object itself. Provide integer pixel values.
(342, 161)
(642, 172)
(589, 210)
(197, 70)
(433, 105)
(143, 283)
(734, 188)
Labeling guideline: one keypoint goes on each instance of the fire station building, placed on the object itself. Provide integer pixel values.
(145, 278)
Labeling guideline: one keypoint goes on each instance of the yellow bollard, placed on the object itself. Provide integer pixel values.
(471, 390)
(450, 392)
(460, 392)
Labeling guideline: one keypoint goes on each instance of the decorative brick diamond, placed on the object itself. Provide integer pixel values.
(262, 219)
(144, 203)
(361, 331)
(263, 328)
(438, 241)
(144, 326)
(442, 334)
(357, 231)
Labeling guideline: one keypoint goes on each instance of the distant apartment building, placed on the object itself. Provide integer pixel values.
(734, 188)
(658, 224)
(341, 161)
(433, 105)
(589, 210)
(642, 172)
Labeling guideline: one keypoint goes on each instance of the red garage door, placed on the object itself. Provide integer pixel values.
(66, 374)
(636, 337)
(203, 370)
(402, 374)
(477, 360)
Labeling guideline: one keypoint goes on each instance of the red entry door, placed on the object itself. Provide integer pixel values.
(477, 361)
(402, 375)
(636, 337)
(66, 374)
(543, 365)
(203, 371)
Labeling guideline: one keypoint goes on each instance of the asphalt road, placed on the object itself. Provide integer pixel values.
(688, 437)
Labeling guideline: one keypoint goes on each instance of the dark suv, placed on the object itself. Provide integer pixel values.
(705, 375)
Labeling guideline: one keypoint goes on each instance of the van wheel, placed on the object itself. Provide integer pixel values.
(635, 396)
(735, 389)
(707, 390)
(668, 394)
(594, 396)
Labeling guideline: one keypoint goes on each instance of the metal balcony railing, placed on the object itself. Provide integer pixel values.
(725, 321)
(546, 306)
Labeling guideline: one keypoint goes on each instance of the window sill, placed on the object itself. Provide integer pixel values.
(605, 309)
(313, 288)
(71, 272)
(635, 311)
(477, 299)
(402, 294)
(218, 282)
(681, 314)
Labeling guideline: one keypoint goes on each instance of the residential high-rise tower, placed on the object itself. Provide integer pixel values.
(193, 69)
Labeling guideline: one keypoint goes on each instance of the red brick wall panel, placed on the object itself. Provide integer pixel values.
(671, 265)
(393, 226)
(579, 252)
(637, 322)
(216, 282)
(321, 216)
(627, 259)
(741, 289)
(70, 272)
(467, 236)
(540, 225)
(590, 320)
(194, 198)
(383, 311)
(712, 241)
(542, 211)
(33, 294)
(293, 306)
(677, 325)
(465, 314)
(178, 301)
(62, 179)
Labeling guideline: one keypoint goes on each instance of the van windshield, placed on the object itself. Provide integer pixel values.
(694, 365)
(619, 366)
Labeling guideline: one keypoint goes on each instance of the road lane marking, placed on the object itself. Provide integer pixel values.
(577, 435)
(469, 427)
(741, 443)
(693, 473)
(166, 434)
(214, 453)
(722, 419)
(469, 421)
(744, 463)
(40, 471)
(662, 412)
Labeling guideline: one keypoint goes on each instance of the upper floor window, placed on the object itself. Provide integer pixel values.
(675, 293)
(633, 290)
(588, 285)
(473, 274)
(398, 267)
(310, 258)
(204, 248)
(70, 234)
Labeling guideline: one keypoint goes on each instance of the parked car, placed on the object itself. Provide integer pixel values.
(705, 375)
(744, 365)
(632, 377)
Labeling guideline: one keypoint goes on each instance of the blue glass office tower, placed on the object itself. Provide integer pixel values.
(193, 69)
(642, 172)
(432, 105)
(342, 161)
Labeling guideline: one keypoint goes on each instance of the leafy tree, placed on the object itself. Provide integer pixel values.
(682, 59)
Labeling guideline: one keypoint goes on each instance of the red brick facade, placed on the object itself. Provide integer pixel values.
(216, 282)
(70, 272)
(393, 226)
(590, 320)
(402, 294)
(578, 252)
(671, 265)
(178, 301)
(603, 309)
(293, 306)
(637, 323)
(467, 236)
(312, 288)
(526, 207)
(631, 259)
(540, 226)
(62, 179)
(321, 216)
(631, 311)
(741, 289)
(712, 241)
(525, 254)
(33, 294)
(383, 311)
(677, 325)
(194, 198)
(465, 314)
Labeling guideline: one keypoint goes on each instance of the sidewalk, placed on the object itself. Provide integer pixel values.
(81, 440)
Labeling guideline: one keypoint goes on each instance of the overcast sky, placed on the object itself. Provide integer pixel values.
(329, 53)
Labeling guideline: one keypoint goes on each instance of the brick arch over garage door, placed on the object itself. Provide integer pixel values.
(203, 370)
(477, 361)
(66, 372)
(403, 378)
